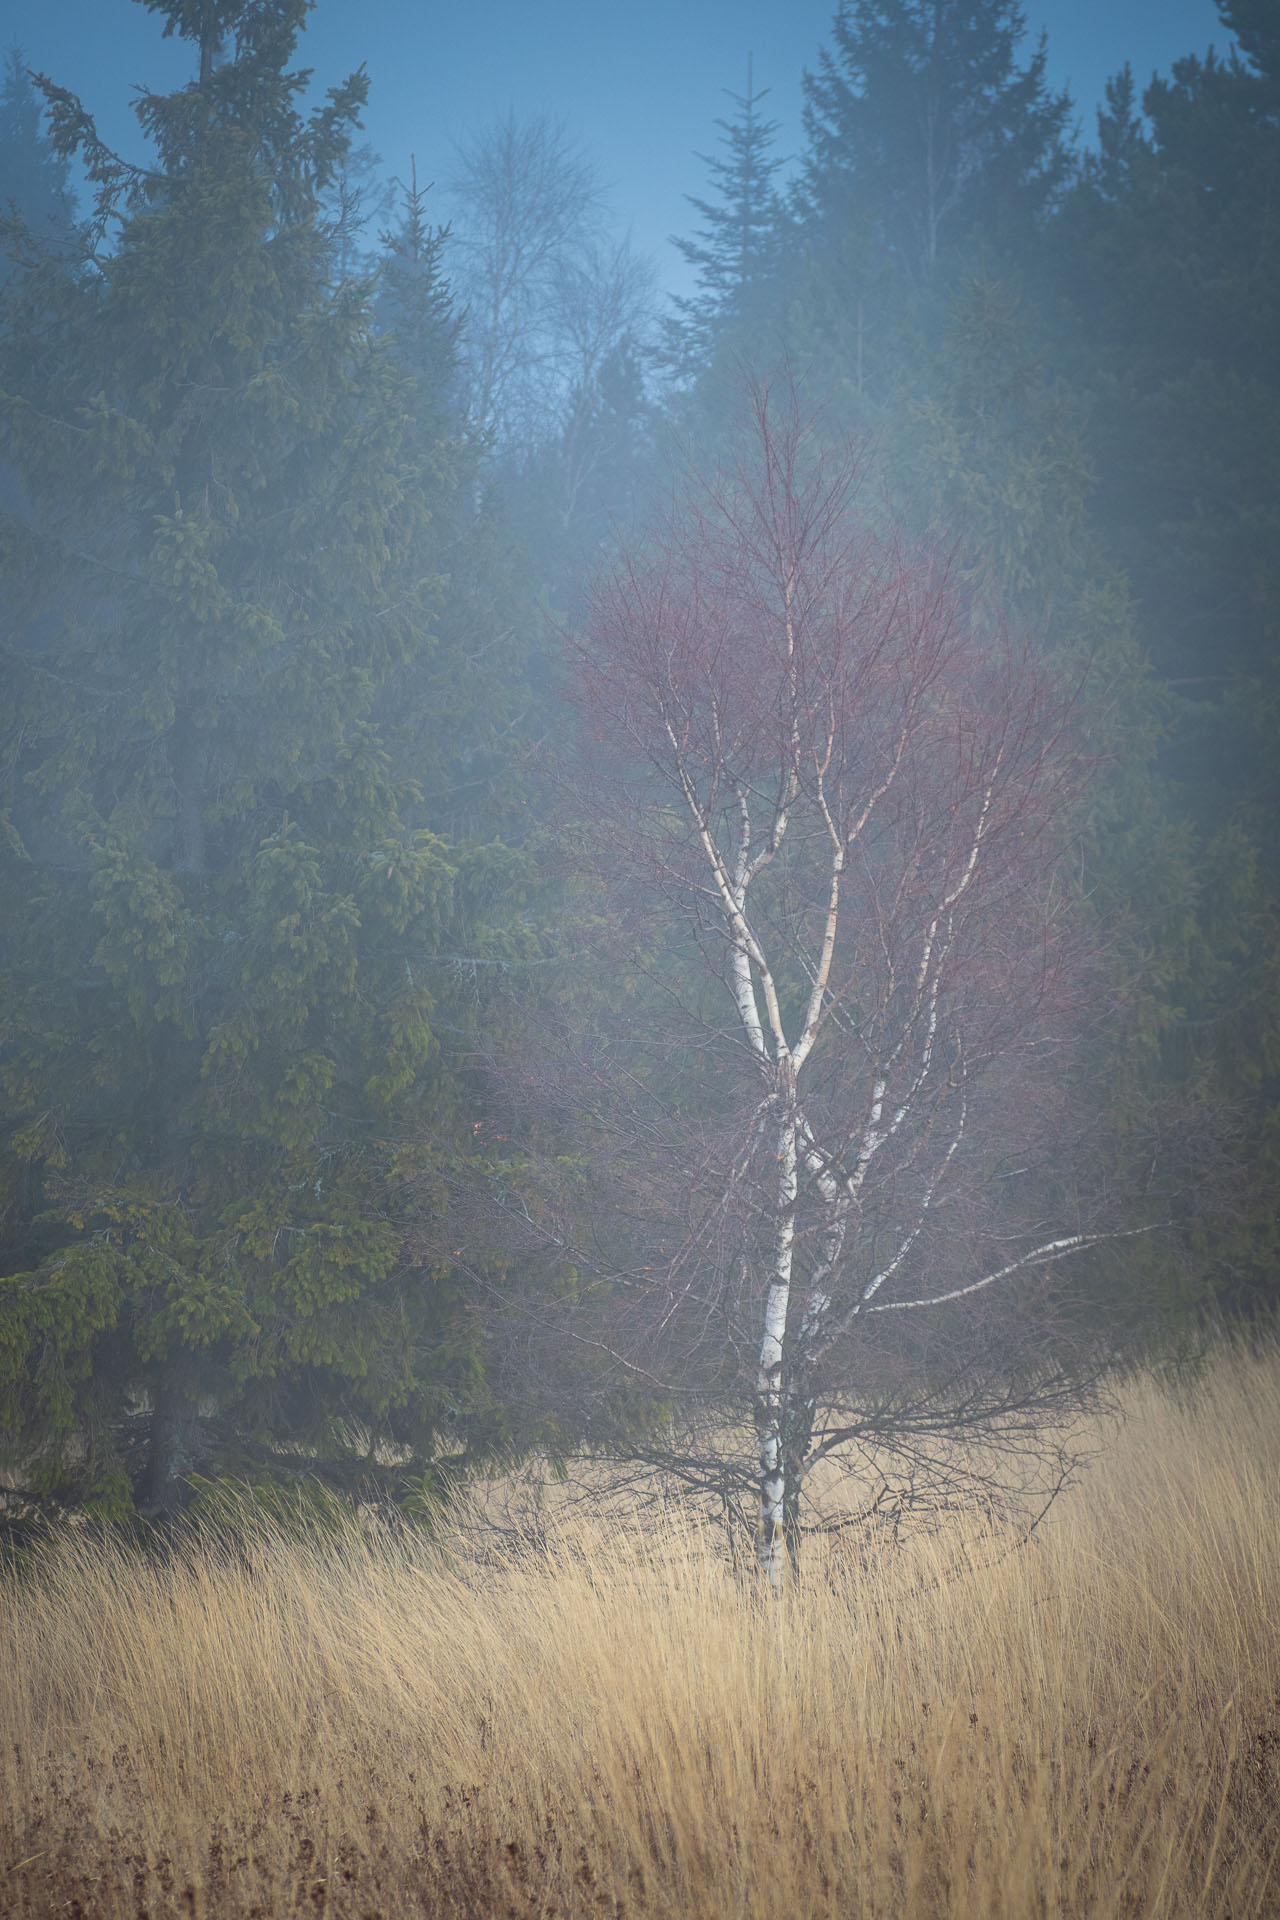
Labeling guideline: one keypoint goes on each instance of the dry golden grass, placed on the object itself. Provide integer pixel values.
(609, 1725)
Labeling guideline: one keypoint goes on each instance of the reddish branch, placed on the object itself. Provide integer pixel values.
(804, 747)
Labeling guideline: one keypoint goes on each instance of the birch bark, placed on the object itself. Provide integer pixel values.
(770, 1397)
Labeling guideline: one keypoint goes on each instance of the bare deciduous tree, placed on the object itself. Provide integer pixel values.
(547, 295)
(829, 1179)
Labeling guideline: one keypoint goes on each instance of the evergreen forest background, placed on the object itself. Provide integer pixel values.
(298, 491)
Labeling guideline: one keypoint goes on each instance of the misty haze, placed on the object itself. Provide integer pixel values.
(639, 963)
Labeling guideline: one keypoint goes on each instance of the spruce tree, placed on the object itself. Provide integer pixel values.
(921, 122)
(35, 188)
(737, 247)
(415, 306)
(933, 155)
(1162, 283)
(223, 900)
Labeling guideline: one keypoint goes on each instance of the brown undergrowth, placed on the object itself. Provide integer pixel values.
(613, 1723)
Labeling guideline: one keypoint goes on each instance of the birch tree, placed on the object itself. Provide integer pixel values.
(547, 297)
(805, 749)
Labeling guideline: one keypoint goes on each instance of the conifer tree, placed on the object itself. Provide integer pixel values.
(1162, 280)
(222, 896)
(931, 154)
(415, 306)
(921, 121)
(35, 188)
(736, 248)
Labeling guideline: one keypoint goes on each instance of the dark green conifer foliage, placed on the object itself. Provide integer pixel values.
(933, 155)
(922, 124)
(1167, 253)
(737, 247)
(992, 445)
(1163, 283)
(35, 186)
(415, 306)
(458, 714)
(221, 1052)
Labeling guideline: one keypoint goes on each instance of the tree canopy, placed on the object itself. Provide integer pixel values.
(298, 534)
(223, 1068)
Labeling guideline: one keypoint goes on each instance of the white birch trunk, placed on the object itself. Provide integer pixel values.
(769, 1388)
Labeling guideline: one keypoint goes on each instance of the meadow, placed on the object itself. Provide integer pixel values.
(610, 1721)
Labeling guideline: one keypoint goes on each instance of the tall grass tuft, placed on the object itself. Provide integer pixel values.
(611, 1722)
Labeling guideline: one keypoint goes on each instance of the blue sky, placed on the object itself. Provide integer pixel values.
(639, 85)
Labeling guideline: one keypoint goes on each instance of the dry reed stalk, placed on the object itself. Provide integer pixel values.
(612, 1723)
